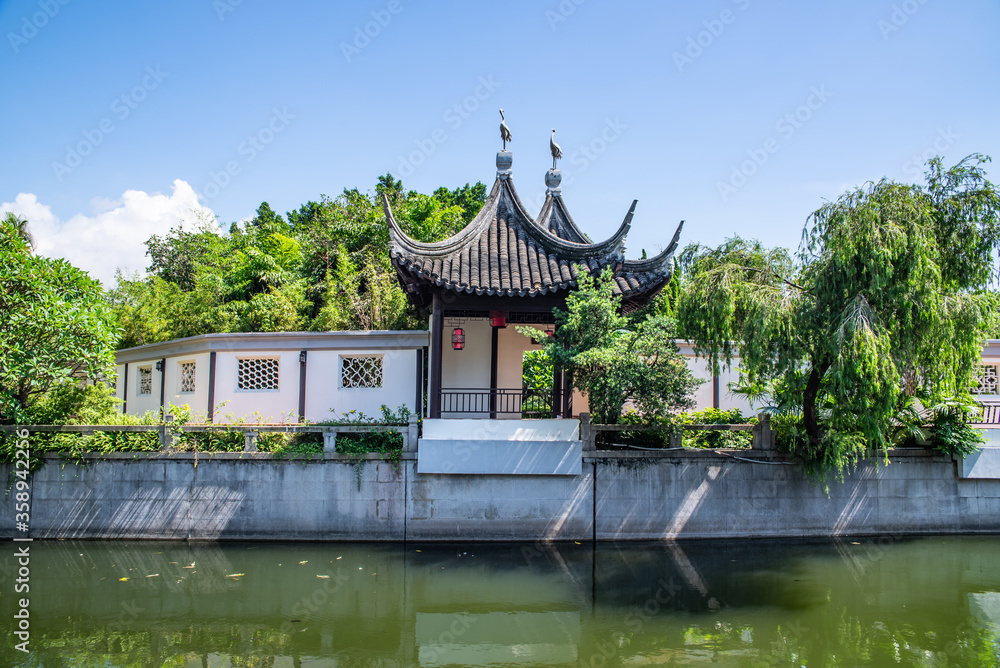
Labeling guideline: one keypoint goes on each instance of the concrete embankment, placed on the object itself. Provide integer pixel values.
(617, 496)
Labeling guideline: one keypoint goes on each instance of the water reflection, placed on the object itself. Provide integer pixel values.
(893, 601)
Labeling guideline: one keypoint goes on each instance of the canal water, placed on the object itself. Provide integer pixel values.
(930, 601)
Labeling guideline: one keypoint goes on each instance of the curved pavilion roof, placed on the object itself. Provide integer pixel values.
(504, 252)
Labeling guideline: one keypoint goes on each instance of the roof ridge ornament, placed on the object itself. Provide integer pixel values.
(553, 177)
(555, 148)
(504, 158)
(504, 131)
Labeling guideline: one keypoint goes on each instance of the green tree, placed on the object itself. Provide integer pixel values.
(614, 359)
(22, 227)
(177, 256)
(887, 297)
(364, 297)
(54, 323)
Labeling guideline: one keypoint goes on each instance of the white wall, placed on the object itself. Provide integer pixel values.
(324, 391)
(703, 396)
(281, 405)
(197, 400)
(138, 404)
(470, 367)
(511, 346)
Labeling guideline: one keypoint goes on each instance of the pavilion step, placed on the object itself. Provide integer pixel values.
(502, 430)
(499, 457)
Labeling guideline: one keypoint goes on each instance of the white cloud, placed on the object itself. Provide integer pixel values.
(114, 236)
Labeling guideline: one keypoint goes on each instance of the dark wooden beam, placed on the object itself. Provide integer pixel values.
(557, 389)
(125, 390)
(437, 325)
(211, 387)
(303, 357)
(494, 359)
(418, 399)
(163, 384)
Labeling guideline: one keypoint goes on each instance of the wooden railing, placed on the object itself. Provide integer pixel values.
(501, 401)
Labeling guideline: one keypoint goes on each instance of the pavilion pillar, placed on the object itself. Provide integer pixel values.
(494, 370)
(567, 399)
(437, 327)
(557, 393)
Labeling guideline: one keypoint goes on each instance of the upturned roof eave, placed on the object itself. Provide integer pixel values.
(604, 251)
(659, 263)
(452, 244)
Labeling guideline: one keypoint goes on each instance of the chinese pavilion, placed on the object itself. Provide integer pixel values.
(506, 267)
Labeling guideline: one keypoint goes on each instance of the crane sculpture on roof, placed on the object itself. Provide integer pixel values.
(555, 148)
(504, 131)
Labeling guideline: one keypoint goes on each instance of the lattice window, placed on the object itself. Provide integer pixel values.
(988, 380)
(361, 371)
(257, 373)
(187, 376)
(145, 380)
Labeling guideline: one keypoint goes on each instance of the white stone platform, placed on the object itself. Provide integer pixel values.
(500, 447)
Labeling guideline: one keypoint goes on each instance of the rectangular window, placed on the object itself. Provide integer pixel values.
(361, 371)
(145, 380)
(257, 373)
(988, 380)
(187, 376)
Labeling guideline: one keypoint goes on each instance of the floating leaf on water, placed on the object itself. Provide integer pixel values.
(235, 575)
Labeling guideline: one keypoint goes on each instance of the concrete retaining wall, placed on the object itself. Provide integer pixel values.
(618, 496)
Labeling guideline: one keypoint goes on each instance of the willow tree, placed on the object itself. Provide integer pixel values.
(886, 299)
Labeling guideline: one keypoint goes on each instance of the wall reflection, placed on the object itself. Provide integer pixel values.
(862, 602)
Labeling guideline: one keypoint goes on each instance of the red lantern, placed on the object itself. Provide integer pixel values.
(550, 332)
(498, 319)
(458, 338)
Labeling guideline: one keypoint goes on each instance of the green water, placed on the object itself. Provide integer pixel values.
(888, 602)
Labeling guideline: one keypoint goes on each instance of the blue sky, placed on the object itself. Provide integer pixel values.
(738, 116)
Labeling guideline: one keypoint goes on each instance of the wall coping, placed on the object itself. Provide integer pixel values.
(256, 341)
(720, 454)
(225, 456)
